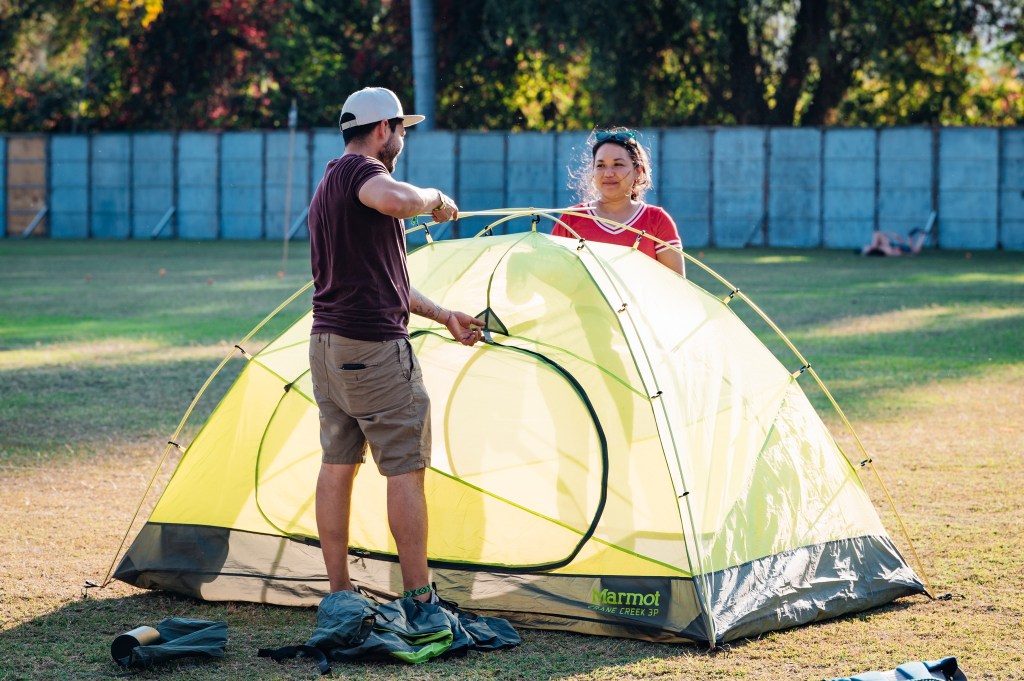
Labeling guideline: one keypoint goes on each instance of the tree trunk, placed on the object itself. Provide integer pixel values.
(423, 61)
(746, 102)
(810, 39)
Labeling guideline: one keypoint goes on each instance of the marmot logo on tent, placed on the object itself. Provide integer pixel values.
(630, 603)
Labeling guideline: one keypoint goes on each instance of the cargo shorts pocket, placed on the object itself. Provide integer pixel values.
(372, 379)
(410, 363)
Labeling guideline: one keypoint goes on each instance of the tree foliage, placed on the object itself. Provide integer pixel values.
(513, 64)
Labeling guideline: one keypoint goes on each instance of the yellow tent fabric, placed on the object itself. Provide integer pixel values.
(623, 457)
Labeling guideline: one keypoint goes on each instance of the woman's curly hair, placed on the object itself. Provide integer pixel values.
(581, 172)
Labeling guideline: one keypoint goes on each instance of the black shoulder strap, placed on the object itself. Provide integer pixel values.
(289, 652)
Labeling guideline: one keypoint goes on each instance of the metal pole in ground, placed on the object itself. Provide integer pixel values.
(293, 119)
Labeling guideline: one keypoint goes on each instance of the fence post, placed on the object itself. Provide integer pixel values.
(821, 186)
(999, 188)
(878, 169)
(766, 188)
(711, 186)
(935, 180)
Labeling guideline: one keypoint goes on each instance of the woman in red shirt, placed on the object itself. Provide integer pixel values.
(612, 191)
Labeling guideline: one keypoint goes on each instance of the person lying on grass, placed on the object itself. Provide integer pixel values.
(890, 243)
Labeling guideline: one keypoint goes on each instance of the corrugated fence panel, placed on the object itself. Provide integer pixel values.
(572, 158)
(1012, 190)
(69, 186)
(429, 159)
(685, 180)
(650, 138)
(531, 174)
(198, 184)
(968, 188)
(242, 192)
(481, 171)
(904, 179)
(281, 146)
(110, 190)
(152, 182)
(739, 185)
(794, 187)
(327, 145)
(849, 188)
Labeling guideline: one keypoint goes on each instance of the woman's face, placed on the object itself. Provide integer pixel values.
(614, 172)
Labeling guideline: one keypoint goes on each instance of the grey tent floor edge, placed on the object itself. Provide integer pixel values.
(218, 564)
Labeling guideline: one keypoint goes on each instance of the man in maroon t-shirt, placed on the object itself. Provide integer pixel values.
(366, 379)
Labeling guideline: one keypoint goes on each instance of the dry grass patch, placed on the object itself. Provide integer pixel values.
(924, 355)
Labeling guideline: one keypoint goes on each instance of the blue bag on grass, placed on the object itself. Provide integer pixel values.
(945, 669)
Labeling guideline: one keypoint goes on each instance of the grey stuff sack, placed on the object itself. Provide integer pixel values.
(180, 637)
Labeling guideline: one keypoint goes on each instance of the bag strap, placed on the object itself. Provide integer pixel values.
(290, 652)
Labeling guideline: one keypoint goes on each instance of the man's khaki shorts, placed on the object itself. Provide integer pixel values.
(370, 392)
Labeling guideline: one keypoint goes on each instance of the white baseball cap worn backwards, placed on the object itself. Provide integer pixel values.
(374, 104)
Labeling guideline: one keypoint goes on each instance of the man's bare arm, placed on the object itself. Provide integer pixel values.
(420, 305)
(403, 200)
(464, 328)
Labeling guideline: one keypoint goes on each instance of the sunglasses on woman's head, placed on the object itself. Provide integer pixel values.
(622, 136)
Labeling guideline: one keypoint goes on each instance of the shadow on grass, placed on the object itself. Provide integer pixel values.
(74, 641)
(823, 287)
(171, 292)
(83, 407)
(871, 374)
(82, 403)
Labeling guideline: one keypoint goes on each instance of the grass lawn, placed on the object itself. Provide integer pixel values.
(103, 345)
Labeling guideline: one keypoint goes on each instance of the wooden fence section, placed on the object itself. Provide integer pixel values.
(25, 185)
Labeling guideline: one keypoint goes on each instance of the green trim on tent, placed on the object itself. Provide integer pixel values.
(648, 470)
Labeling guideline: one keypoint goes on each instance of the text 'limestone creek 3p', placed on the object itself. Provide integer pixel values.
(622, 457)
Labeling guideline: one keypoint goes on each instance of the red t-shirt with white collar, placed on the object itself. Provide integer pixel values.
(650, 219)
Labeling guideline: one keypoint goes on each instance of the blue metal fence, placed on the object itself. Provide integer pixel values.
(849, 183)
(724, 186)
(152, 182)
(1011, 186)
(69, 186)
(199, 186)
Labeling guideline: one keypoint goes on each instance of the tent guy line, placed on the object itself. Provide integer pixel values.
(626, 439)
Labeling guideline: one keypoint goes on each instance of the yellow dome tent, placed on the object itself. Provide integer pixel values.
(622, 457)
